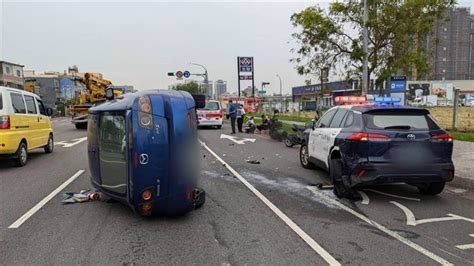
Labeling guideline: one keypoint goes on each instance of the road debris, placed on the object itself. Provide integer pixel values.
(82, 196)
(252, 161)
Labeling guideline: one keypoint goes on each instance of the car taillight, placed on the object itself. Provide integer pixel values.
(144, 116)
(442, 137)
(146, 195)
(4, 122)
(219, 115)
(363, 136)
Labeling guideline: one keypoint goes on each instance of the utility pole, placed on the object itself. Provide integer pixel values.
(365, 33)
(206, 77)
(238, 79)
(455, 108)
(281, 95)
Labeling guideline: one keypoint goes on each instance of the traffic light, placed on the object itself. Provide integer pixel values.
(171, 74)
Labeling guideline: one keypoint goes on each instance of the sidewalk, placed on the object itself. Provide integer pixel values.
(463, 158)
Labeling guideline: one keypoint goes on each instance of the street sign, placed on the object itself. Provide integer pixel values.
(398, 83)
(245, 77)
(179, 74)
(245, 71)
(187, 74)
(245, 64)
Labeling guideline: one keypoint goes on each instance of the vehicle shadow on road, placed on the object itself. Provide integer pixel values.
(9, 163)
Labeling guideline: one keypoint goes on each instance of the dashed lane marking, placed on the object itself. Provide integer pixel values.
(382, 228)
(40, 204)
(310, 241)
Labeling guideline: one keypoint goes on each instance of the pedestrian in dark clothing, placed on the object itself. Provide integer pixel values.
(232, 115)
(240, 117)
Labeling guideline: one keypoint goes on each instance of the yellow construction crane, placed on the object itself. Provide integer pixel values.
(94, 94)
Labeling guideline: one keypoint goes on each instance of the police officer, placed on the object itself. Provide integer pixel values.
(233, 115)
(240, 117)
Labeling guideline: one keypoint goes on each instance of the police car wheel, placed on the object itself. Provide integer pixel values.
(219, 127)
(304, 157)
(335, 171)
(431, 188)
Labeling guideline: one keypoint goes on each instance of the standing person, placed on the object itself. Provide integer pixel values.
(240, 117)
(232, 115)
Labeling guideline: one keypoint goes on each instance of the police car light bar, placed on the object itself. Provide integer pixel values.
(349, 100)
(387, 100)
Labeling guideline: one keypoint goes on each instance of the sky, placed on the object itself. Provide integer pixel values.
(137, 43)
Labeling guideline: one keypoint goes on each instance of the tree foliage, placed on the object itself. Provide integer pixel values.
(396, 29)
(191, 87)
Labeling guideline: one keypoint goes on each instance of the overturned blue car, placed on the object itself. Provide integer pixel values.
(143, 151)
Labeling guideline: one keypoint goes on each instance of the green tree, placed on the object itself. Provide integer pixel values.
(396, 28)
(191, 87)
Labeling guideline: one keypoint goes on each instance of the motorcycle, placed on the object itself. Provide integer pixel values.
(298, 137)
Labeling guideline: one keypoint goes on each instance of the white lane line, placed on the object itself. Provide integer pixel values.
(411, 220)
(310, 241)
(391, 195)
(365, 198)
(40, 204)
(382, 228)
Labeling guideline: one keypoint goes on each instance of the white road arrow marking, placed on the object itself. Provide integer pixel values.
(390, 195)
(68, 145)
(365, 198)
(236, 140)
(411, 220)
(467, 246)
(382, 228)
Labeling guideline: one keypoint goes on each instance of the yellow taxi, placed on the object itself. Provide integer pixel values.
(24, 125)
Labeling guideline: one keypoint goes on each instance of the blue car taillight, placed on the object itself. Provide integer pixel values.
(145, 117)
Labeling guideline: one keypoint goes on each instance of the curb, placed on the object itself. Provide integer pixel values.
(462, 182)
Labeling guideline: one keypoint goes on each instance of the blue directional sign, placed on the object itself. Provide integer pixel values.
(398, 83)
(187, 74)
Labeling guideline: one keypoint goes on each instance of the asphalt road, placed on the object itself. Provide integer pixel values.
(267, 213)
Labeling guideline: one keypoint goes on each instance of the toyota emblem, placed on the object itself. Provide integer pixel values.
(411, 137)
(143, 158)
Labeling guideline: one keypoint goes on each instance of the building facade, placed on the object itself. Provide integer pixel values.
(312, 96)
(221, 88)
(207, 88)
(452, 45)
(11, 75)
(46, 85)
